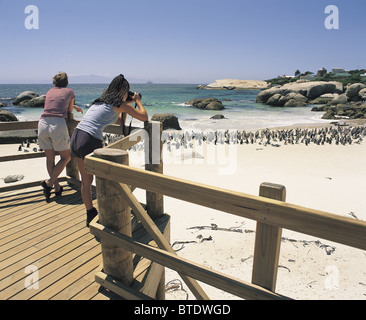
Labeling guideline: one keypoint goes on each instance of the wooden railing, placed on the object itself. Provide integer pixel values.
(268, 209)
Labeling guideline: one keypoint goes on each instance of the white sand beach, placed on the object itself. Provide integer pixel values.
(325, 177)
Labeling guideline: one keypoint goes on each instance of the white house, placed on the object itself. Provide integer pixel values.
(338, 70)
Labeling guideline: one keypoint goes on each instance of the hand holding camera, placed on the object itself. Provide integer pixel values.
(133, 96)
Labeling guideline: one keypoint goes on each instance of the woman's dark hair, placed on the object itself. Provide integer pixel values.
(114, 93)
(60, 80)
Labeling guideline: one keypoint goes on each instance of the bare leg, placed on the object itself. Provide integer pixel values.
(55, 170)
(86, 182)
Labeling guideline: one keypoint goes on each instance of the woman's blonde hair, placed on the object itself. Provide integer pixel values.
(61, 80)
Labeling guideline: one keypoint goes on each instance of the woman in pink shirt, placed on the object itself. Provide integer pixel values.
(53, 135)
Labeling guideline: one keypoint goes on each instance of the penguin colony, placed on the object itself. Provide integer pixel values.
(337, 135)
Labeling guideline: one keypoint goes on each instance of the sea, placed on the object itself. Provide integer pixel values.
(241, 110)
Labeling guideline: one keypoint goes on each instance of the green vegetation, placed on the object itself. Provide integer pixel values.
(353, 77)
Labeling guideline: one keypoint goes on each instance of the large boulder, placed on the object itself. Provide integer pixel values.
(324, 98)
(36, 102)
(26, 95)
(353, 90)
(263, 96)
(295, 100)
(362, 94)
(206, 104)
(168, 120)
(291, 99)
(314, 89)
(6, 116)
(340, 99)
(274, 100)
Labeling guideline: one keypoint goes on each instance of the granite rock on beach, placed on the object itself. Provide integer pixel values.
(6, 116)
(206, 104)
(168, 120)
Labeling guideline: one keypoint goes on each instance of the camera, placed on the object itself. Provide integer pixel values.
(131, 94)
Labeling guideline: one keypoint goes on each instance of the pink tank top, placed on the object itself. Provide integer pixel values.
(57, 102)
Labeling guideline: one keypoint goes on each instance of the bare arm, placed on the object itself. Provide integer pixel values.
(139, 114)
(72, 106)
(121, 119)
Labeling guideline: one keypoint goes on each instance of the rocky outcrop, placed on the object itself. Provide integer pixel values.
(30, 99)
(298, 93)
(353, 93)
(206, 104)
(343, 111)
(234, 84)
(168, 120)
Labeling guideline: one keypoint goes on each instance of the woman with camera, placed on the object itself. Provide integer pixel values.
(88, 134)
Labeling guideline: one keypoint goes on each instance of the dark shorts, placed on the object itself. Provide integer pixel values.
(82, 143)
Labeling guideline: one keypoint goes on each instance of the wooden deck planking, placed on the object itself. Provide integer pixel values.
(53, 237)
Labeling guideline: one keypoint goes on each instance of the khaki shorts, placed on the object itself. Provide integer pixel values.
(53, 134)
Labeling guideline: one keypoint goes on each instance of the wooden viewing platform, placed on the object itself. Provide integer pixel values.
(53, 238)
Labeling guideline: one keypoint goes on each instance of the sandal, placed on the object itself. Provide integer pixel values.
(59, 192)
(46, 190)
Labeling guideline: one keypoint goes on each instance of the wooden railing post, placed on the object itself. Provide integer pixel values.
(72, 167)
(267, 243)
(154, 163)
(114, 213)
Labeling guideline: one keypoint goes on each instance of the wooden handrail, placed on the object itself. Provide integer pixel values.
(123, 144)
(18, 125)
(272, 212)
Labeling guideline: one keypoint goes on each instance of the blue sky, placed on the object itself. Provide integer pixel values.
(186, 41)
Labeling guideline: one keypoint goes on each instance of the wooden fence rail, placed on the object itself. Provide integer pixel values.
(272, 212)
(268, 209)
